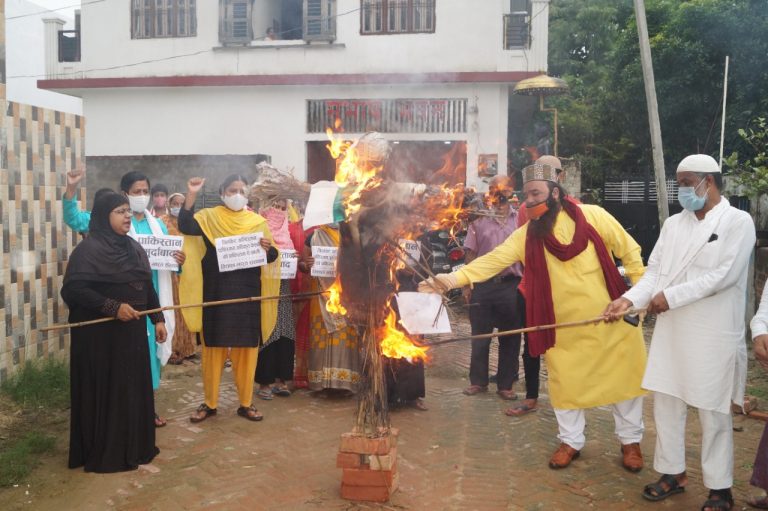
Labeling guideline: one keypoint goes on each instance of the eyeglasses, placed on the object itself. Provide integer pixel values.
(123, 212)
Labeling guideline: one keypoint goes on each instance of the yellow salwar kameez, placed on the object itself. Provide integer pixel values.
(209, 225)
(593, 365)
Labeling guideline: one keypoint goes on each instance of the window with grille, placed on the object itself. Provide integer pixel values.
(311, 20)
(163, 18)
(235, 21)
(397, 16)
(319, 20)
(517, 25)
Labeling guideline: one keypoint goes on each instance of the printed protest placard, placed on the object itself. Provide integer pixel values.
(289, 263)
(160, 250)
(413, 249)
(325, 261)
(240, 252)
(423, 313)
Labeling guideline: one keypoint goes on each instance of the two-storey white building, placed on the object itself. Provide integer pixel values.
(181, 87)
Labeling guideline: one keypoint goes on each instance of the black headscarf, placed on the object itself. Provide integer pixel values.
(106, 256)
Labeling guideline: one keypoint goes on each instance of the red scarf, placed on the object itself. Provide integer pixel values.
(539, 309)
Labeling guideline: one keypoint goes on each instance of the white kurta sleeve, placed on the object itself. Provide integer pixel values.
(641, 293)
(759, 324)
(737, 245)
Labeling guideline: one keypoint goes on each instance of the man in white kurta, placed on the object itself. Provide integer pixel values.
(696, 283)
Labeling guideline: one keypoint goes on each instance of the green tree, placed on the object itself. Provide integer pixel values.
(594, 47)
(751, 167)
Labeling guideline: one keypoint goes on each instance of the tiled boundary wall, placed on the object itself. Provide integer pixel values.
(37, 148)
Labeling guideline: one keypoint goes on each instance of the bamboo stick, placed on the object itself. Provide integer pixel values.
(418, 261)
(446, 300)
(187, 306)
(479, 212)
(539, 328)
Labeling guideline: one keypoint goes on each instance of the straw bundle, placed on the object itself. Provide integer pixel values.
(274, 184)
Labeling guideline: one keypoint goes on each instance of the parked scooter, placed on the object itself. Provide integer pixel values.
(438, 241)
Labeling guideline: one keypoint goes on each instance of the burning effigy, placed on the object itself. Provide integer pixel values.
(379, 213)
(376, 216)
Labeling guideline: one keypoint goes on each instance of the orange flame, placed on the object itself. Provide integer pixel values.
(333, 305)
(438, 208)
(395, 344)
(351, 174)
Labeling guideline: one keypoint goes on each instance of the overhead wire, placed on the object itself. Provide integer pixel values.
(161, 59)
(52, 10)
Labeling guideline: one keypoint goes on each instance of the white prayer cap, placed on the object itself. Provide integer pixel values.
(702, 163)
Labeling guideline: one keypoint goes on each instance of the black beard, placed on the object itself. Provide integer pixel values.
(542, 227)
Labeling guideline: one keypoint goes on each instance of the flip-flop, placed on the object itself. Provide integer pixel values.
(520, 410)
(281, 391)
(160, 423)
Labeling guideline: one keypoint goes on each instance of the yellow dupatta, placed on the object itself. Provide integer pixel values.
(220, 222)
(293, 215)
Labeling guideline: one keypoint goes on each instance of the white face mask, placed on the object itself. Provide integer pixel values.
(175, 211)
(138, 203)
(235, 202)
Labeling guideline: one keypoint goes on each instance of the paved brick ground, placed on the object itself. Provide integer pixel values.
(462, 454)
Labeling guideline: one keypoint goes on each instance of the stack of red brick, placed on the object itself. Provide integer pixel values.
(369, 466)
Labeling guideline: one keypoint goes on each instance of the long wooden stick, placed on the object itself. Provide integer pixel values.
(186, 306)
(539, 328)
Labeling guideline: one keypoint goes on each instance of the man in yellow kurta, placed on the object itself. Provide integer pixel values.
(567, 251)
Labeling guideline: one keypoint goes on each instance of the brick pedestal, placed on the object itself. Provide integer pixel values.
(369, 466)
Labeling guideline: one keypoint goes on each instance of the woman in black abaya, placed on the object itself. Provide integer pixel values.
(108, 274)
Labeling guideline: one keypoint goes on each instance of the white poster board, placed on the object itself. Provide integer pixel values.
(423, 313)
(413, 251)
(240, 252)
(160, 250)
(319, 210)
(325, 261)
(289, 263)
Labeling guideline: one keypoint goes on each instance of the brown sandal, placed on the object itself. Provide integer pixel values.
(206, 412)
(250, 413)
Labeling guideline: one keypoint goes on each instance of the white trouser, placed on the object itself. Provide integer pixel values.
(628, 416)
(669, 413)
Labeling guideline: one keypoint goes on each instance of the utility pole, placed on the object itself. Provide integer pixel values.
(653, 111)
(722, 122)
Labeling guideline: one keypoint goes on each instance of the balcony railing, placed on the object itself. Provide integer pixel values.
(517, 30)
(69, 46)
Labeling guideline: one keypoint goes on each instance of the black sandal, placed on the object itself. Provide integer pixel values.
(719, 499)
(250, 413)
(202, 408)
(656, 492)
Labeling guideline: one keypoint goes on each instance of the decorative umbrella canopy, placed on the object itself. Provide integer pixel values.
(541, 86)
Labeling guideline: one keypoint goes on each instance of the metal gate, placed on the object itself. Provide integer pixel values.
(633, 202)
